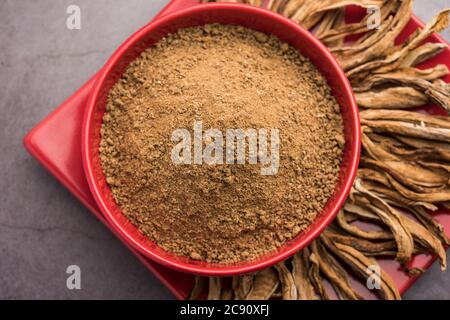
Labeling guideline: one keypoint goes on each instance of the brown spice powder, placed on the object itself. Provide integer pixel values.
(226, 77)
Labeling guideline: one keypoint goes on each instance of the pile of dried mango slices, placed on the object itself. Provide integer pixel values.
(405, 161)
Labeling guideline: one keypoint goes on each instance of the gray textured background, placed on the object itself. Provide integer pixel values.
(43, 229)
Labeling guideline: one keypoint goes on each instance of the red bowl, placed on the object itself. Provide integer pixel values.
(224, 13)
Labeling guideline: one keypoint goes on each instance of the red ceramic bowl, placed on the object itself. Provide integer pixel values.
(236, 14)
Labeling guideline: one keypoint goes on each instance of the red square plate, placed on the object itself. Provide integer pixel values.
(56, 144)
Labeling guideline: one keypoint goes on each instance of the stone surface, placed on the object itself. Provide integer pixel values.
(43, 229)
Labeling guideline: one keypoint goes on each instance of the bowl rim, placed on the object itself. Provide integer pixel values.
(244, 267)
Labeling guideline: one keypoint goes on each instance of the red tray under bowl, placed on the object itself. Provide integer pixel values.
(56, 143)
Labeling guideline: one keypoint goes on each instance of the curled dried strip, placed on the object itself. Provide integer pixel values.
(277, 294)
(288, 288)
(341, 31)
(394, 60)
(440, 168)
(437, 91)
(327, 23)
(312, 21)
(332, 21)
(312, 11)
(434, 197)
(256, 3)
(227, 294)
(415, 149)
(367, 36)
(376, 151)
(407, 129)
(302, 13)
(422, 53)
(369, 248)
(326, 5)
(358, 211)
(388, 140)
(423, 171)
(392, 219)
(300, 268)
(198, 288)
(276, 5)
(242, 286)
(425, 81)
(423, 237)
(423, 143)
(438, 24)
(235, 284)
(334, 272)
(391, 98)
(401, 243)
(265, 283)
(425, 154)
(315, 278)
(291, 7)
(395, 198)
(409, 76)
(359, 215)
(215, 288)
(306, 12)
(305, 17)
(361, 265)
(427, 221)
(411, 175)
(339, 20)
(412, 77)
(426, 239)
(315, 6)
(406, 116)
(338, 34)
(380, 42)
(416, 208)
(430, 159)
(358, 232)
